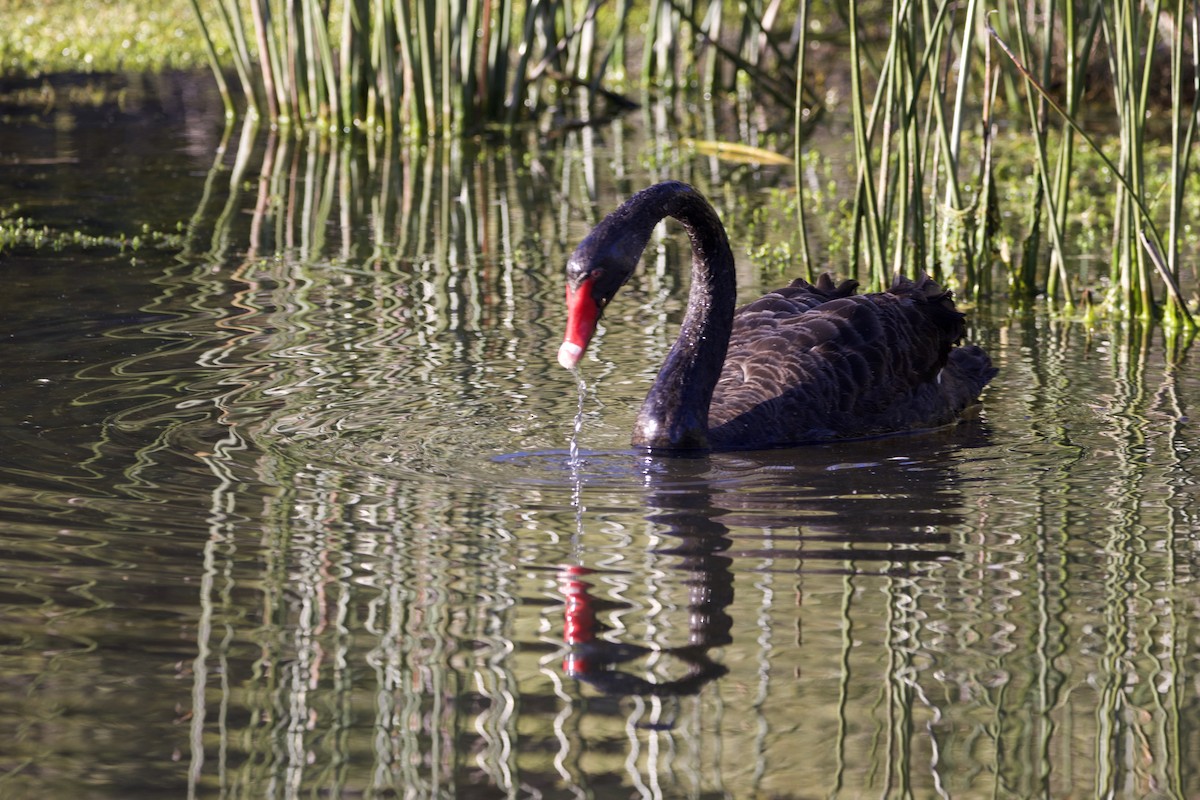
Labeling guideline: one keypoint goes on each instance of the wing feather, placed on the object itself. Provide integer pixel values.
(817, 361)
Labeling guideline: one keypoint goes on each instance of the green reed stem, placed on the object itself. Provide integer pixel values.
(517, 94)
(798, 137)
(1066, 151)
(895, 187)
(466, 46)
(952, 220)
(412, 107)
(384, 57)
(1045, 194)
(423, 39)
(614, 53)
(210, 52)
(1182, 136)
(452, 113)
(268, 65)
(862, 152)
(711, 27)
(232, 20)
(987, 217)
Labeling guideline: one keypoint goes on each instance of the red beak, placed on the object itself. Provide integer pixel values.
(582, 315)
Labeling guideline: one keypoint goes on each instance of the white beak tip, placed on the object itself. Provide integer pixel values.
(569, 354)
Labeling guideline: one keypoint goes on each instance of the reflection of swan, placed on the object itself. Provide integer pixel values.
(860, 508)
(804, 363)
(594, 660)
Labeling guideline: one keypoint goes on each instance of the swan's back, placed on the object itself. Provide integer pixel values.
(813, 362)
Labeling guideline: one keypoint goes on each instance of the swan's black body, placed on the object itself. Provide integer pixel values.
(801, 364)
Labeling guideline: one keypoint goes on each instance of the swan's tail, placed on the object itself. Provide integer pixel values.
(937, 303)
(966, 372)
(968, 369)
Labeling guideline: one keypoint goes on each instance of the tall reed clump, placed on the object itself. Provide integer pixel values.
(419, 67)
(449, 67)
(921, 202)
(1132, 38)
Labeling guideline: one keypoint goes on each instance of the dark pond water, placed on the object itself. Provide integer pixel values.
(292, 513)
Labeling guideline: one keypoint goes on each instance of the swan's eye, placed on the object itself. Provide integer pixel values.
(594, 276)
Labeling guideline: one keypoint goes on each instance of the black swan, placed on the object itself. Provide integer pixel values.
(802, 364)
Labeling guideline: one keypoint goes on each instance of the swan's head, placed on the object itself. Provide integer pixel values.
(607, 257)
(592, 280)
(583, 312)
(584, 306)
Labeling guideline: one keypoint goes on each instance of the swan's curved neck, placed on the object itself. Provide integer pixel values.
(675, 413)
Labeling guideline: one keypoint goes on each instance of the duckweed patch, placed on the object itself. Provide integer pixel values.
(20, 233)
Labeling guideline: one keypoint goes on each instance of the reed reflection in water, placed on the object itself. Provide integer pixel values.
(328, 502)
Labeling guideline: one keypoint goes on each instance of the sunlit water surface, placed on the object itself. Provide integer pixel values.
(307, 519)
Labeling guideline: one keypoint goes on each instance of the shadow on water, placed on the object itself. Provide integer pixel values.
(297, 517)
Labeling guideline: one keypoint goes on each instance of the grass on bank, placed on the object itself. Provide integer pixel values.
(43, 36)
